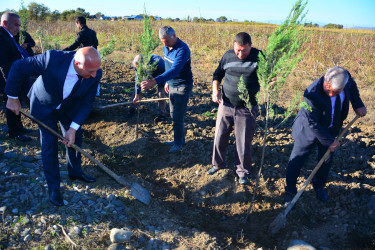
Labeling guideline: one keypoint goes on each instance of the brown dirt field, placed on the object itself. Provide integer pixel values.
(201, 211)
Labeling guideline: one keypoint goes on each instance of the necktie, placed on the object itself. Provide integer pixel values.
(76, 86)
(21, 50)
(336, 124)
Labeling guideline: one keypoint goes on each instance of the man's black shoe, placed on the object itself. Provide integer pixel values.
(55, 198)
(22, 138)
(321, 194)
(83, 177)
(26, 131)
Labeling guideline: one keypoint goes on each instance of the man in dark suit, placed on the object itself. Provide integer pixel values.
(9, 53)
(85, 37)
(329, 99)
(58, 95)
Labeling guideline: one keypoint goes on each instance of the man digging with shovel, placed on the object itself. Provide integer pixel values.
(63, 93)
(329, 99)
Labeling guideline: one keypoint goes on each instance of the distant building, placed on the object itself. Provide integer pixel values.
(136, 18)
(105, 18)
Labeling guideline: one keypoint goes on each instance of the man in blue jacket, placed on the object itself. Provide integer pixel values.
(179, 82)
(329, 99)
(64, 92)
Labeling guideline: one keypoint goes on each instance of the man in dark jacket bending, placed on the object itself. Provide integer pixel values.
(329, 98)
(85, 37)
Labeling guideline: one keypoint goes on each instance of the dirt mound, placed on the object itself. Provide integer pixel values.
(189, 209)
(207, 211)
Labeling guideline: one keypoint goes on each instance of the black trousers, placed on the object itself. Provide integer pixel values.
(14, 122)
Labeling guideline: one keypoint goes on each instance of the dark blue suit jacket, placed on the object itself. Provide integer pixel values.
(8, 55)
(314, 125)
(47, 91)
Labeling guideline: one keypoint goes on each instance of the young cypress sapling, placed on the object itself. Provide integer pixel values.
(148, 43)
(280, 58)
(24, 16)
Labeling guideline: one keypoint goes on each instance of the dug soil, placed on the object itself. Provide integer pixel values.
(193, 210)
(204, 211)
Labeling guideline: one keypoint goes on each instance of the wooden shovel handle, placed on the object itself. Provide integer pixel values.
(101, 165)
(125, 103)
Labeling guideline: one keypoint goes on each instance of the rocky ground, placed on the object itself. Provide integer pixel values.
(189, 209)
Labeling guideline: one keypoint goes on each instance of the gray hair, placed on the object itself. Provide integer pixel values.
(337, 76)
(136, 60)
(166, 31)
(8, 15)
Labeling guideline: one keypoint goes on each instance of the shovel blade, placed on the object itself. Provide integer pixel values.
(140, 193)
(277, 223)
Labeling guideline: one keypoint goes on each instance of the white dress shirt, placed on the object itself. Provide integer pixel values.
(70, 80)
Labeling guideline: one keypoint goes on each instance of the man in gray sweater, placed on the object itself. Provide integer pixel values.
(242, 60)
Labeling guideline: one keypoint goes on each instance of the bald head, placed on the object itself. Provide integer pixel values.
(87, 55)
(87, 62)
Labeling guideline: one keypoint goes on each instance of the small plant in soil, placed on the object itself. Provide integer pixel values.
(24, 16)
(279, 59)
(148, 43)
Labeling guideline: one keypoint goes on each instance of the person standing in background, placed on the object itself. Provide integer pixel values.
(11, 51)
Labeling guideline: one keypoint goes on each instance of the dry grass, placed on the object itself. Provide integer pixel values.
(352, 49)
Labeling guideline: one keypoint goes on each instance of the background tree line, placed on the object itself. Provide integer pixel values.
(40, 12)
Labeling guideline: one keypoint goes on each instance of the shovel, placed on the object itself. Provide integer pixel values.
(280, 220)
(125, 103)
(136, 190)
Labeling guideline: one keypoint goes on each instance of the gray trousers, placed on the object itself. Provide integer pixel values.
(244, 125)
